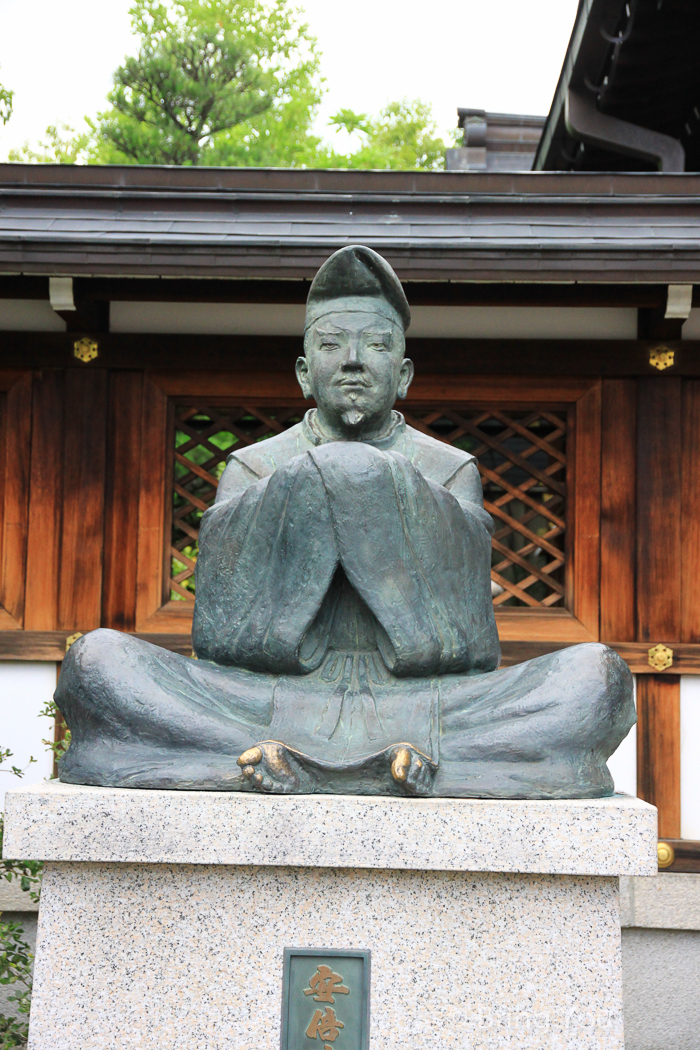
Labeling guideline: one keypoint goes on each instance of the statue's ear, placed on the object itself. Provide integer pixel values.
(406, 373)
(302, 371)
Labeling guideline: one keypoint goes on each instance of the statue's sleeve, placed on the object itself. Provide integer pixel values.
(234, 481)
(416, 556)
(267, 555)
(465, 486)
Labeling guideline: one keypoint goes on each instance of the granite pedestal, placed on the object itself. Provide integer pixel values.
(164, 915)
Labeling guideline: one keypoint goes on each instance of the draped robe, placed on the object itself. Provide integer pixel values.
(343, 607)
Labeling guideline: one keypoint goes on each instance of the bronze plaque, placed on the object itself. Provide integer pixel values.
(325, 1002)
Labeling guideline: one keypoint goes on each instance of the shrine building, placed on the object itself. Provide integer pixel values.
(150, 318)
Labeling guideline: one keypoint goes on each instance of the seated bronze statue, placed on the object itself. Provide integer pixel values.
(343, 622)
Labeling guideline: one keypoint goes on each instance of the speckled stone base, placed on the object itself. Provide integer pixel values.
(163, 957)
(164, 915)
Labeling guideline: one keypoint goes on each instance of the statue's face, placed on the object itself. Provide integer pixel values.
(354, 368)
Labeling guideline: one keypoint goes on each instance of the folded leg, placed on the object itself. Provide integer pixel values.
(542, 729)
(141, 716)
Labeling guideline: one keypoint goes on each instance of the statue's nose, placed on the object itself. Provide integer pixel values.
(353, 359)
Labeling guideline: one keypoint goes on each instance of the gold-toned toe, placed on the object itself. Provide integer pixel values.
(251, 757)
(401, 765)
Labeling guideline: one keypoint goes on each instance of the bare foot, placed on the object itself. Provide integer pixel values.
(269, 766)
(411, 770)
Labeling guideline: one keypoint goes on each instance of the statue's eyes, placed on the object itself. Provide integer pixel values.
(329, 346)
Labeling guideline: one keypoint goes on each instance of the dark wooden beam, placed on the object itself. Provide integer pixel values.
(580, 357)
(50, 645)
(420, 293)
(23, 286)
(652, 323)
(686, 656)
(90, 315)
(686, 855)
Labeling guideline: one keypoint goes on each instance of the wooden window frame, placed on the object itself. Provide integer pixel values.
(579, 622)
(15, 447)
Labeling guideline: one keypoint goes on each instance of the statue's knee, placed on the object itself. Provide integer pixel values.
(610, 666)
(92, 654)
(595, 658)
(602, 685)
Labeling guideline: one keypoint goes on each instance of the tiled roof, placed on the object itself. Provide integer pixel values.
(270, 222)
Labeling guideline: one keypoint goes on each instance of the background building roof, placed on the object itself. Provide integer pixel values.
(636, 63)
(279, 223)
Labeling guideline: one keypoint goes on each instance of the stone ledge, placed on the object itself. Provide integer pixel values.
(14, 898)
(671, 901)
(63, 822)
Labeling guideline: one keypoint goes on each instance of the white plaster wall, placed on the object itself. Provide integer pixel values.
(24, 689)
(623, 763)
(29, 315)
(690, 757)
(523, 322)
(506, 322)
(208, 318)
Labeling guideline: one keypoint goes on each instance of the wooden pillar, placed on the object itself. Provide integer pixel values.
(659, 748)
(690, 513)
(45, 502)
(82, 532)
(122, 500)
(618, 508)
(659, 571)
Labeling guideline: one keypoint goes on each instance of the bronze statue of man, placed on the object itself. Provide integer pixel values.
(343, 621)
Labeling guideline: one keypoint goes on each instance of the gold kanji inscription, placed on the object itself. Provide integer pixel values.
(324, 984)
(324, 1026)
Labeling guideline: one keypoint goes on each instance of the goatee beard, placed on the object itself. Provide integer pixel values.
(353, 417)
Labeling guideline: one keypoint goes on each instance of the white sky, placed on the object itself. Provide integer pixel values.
(502, 55)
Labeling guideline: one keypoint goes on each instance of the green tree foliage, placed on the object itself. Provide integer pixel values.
(60, 145)
(233, 82)
(16, 956)
(279, 138)
(403, 136)
(205, 67)
(5, 104)
(16, 959)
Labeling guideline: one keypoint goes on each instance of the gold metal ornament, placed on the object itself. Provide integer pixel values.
(73, 638)
(666, 854)
(85, 350)
(661, 358)
(660, 657)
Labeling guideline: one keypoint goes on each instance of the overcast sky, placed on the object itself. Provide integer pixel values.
(499, 55)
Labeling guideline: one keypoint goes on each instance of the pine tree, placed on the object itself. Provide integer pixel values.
(207, 70)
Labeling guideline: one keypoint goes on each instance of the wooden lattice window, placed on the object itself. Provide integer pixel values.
(204, 436)
(522, 462)
(521, 456)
